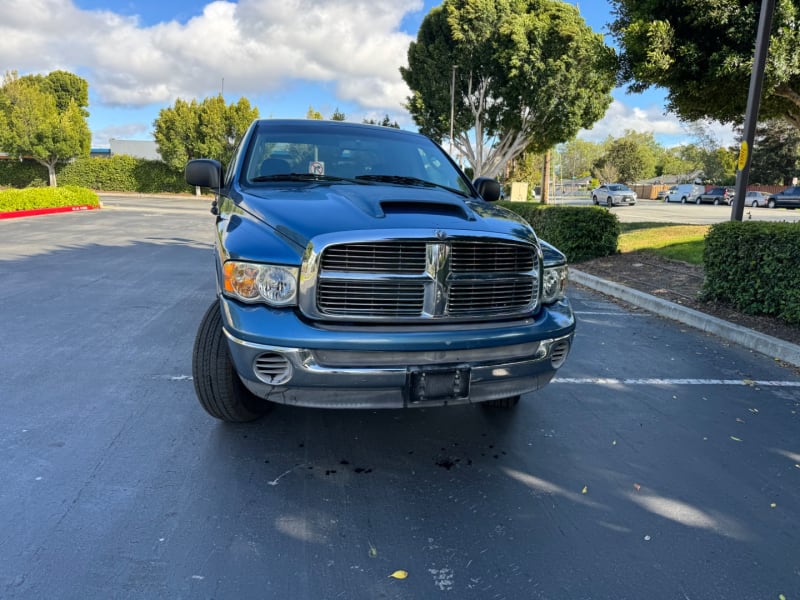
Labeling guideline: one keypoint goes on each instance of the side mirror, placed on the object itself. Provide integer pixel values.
(204, 172)
(488, 188)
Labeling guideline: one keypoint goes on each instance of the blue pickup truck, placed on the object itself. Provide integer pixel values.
(358, 267)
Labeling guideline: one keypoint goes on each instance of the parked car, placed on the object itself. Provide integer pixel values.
(662, 194)
(613, 194)
(755, 199)
(683, 193)
(717, 195)
(362, 269)
(788, 198)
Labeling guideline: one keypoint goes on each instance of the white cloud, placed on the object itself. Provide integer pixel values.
(666, 127)
(255, 45)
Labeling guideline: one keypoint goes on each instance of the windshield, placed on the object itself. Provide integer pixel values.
(618, 187)
(346, 154)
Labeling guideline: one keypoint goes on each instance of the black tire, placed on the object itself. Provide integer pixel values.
(697, 200)
(595, 200)
(609, 202)
(220, 391)
(771, 203)
(754, 204)
(509, 402)
(716, 201)
(683, 200)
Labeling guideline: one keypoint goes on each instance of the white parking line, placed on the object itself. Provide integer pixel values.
(658, 381)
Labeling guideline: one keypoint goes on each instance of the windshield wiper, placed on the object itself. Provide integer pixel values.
(299, 177)
(404, 180)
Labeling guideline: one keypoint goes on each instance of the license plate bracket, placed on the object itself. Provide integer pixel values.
(437, 384)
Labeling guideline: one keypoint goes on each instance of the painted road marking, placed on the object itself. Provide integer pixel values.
(659, 381)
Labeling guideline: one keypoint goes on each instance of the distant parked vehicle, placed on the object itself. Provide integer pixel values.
(756, 199)
(613, 194)
(717, 195)
(788, 198)
(683, 193)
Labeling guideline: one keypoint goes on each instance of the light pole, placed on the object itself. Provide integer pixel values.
(452, 106)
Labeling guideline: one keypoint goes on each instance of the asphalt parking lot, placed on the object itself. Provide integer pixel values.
(661, 463)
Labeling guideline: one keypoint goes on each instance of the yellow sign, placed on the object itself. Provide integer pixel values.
(742, 156)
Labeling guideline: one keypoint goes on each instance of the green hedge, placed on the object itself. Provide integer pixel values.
(755, 266)
(33, 198)
(122, 174)
(580, 232)
(115, 174)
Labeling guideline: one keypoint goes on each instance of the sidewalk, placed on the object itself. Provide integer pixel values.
(753, 340)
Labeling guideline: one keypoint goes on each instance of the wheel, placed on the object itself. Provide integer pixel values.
(609, 202)
(683, 200)
(697, 200)
(716, 201)
(220, 391)
(771, 203)
(509, 402)
(595, 200)
(754, 204)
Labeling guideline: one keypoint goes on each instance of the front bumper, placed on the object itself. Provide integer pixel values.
(284, 359)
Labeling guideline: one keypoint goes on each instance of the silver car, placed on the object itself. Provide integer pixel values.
(756, 199)
(613, 194)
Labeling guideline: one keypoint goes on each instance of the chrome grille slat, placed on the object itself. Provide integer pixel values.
(380, 257)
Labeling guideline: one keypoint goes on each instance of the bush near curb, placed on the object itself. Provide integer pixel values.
(755, 266)
(36, 198)
(580, 232)
(123, 174)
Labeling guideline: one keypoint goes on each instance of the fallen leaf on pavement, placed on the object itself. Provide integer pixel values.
(585, 489)
(773, 505)
(637, 487)
(399, 574)
(735, 439)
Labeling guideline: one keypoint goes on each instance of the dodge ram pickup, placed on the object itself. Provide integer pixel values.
(358, 267)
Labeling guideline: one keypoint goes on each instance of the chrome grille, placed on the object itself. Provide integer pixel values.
(489, 297)
(474, 256)
(463, 279)
(381, 257)
(379, 298)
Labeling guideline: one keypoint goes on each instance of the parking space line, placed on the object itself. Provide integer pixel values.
(659, 381)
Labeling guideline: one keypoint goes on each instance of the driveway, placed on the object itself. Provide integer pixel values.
(660, 463)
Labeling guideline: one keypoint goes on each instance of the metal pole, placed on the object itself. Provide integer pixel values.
(452, 107)
(753, 103)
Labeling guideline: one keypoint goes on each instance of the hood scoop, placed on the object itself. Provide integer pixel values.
(437, 207)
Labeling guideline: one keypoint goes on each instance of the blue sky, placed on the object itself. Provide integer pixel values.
(283, 55)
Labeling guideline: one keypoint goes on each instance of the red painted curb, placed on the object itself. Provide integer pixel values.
(34, 212)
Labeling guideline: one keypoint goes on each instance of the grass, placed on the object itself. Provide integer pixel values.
(678, 242)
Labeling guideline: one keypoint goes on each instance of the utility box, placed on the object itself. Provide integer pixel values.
(519, 191)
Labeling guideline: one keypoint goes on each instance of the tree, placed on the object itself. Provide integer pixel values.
(32, 124)
(338, 115)
(632, 156)
(314, 114)
(578, 156)
(386, 122)
(776, 153)
(529, 74)
(677, 161)
(208, 129)
(701, 51)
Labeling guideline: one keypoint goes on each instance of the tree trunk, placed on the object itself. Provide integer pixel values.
(51, 172)
(546, 179)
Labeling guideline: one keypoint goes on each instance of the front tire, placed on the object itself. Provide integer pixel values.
(683, 200)
(609, 202)
(754, 204)
(771, 203)
(220, 391)
(595, 200)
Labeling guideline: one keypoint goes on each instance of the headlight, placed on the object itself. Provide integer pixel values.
(250, 282)
(554, 283)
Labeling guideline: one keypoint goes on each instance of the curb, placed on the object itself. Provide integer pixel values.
(753, 340)
(35, 212)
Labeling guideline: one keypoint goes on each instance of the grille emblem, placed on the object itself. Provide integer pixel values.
(441, 235)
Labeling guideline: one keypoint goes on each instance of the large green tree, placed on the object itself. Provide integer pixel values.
(632, 156)
(701, 52)
(529, 74)
(578, 156)
(207, 129)
(41, 120)
(776, 155)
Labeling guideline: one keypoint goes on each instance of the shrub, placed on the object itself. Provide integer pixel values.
(754, 267)
(34, 198)
(123, 173)
(580, 232)
(21, 174)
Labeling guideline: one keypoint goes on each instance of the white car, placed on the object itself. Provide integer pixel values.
(683, 193)
(613, 194)
(755, 199)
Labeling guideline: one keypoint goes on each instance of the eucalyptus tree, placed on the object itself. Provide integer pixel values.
(516, 75)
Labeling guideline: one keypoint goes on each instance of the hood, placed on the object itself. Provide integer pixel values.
(301, 212)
